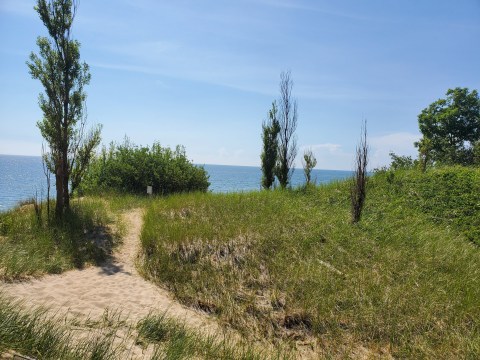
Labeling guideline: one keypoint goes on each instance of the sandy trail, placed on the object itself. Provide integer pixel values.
(116, 285)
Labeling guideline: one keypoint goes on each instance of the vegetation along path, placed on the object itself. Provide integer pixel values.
(116, 286)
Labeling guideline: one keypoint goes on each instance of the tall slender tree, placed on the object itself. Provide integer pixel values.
(288, 124)
(63, 77)
(270, 130)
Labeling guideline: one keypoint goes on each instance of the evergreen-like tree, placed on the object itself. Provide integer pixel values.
(63, 77)
(270, 130)
(309, 162)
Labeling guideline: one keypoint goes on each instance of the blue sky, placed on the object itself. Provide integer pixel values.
(204, 73)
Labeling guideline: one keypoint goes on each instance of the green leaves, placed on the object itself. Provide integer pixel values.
(451, 126)
(63, 77)
(129, 168)
(270, 130)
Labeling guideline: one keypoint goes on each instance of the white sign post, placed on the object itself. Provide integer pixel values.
(149, 190)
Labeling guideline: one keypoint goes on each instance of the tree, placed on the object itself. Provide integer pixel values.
(288, 124)
(46, 166)
(451, 127)
(63, 77)
(401, 162)
(358, 191)
(309, 162)
(270, 130)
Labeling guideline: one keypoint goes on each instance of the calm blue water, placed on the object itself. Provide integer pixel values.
(22, 176)
(225, 178)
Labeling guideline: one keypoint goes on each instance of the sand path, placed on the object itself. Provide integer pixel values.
(116, 285)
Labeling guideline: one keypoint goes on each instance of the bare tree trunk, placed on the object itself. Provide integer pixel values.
(288, 125)
(359, 183)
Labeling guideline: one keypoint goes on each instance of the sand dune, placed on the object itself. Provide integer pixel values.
(115, 286)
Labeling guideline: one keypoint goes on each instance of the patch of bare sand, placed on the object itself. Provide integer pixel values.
(116, 285)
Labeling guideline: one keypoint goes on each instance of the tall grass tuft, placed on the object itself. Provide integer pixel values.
(175, 341)
(32, 246)
(37, 334)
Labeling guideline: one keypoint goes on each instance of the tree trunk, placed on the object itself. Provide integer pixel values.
(66, 194)
(66, 170)
(59, 188)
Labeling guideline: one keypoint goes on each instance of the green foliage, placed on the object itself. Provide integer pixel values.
(63, 77)
(401, 162)
(289, 264)
(450, 127)
(175, 341)
(270, 130)
(84, 155)
(476, 153)
(129, 168)
(446, 195)
(32, 246)
(309, 162)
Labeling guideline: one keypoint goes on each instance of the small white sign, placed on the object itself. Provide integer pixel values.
(149, 190)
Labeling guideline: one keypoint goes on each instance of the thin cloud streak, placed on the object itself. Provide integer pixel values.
(18, 7)
(296, 5)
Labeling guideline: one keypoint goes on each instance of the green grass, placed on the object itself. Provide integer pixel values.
(449, 196)
(174, 340)
(30, 246)
(36, 333)
(290, 267)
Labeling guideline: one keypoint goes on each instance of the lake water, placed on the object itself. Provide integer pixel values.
(22, 176)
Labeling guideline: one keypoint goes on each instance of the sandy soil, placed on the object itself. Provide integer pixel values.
(116, 285)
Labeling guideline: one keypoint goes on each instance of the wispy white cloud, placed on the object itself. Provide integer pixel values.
(18, 7)
(300, 5)
(335, 156)
(177, 60)
(342, 93)
(328, 155)
(322, 147)
(400, 143)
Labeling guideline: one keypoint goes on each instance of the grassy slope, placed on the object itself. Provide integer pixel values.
(32, 247)
(289, 265)
(29, 247)
(36, 333)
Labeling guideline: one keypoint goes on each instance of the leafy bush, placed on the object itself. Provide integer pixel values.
(448, 195)
(130, 168)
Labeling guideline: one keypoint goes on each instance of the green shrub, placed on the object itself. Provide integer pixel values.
(448, 195)
(130, 169)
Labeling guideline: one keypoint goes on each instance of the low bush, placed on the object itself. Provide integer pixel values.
(128, 168)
